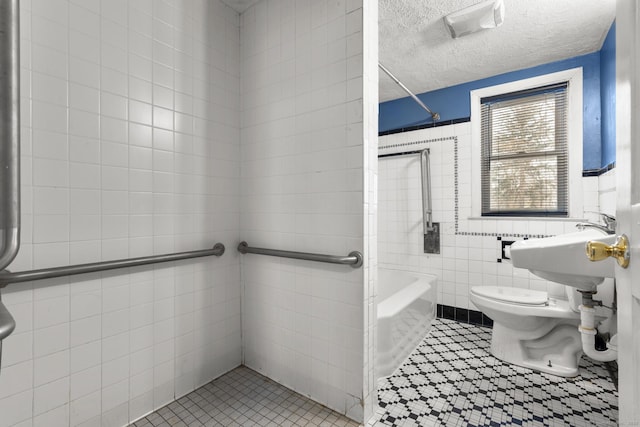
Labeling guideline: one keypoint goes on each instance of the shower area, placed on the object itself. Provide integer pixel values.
(409, 242)
(165, 131)
(406, 296)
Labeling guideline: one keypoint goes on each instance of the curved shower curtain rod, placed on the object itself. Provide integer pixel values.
(434, 116)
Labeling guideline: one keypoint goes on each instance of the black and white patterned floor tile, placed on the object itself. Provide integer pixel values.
(452, 380)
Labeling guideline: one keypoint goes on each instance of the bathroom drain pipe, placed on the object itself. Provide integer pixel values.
(588, 332)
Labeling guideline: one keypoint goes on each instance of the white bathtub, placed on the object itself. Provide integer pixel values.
(406, 309)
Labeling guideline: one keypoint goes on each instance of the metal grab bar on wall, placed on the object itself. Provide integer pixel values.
(425, 174)
(9, 130)
(7, 324)
(430, 229)
(9, 146)
(7, 277)
(354, 259)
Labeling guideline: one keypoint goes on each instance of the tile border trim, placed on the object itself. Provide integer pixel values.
(463, 315)
(457, 231)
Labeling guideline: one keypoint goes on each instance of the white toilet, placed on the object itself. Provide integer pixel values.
(533, 329)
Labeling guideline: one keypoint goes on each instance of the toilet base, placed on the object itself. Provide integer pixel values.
(556, 352)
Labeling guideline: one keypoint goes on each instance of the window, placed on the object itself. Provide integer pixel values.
(526, 148)
(524, 153)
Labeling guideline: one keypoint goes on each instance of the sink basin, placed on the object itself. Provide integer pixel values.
(562, 258)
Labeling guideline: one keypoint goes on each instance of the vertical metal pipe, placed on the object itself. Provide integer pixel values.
(427, 211)
(9, 131)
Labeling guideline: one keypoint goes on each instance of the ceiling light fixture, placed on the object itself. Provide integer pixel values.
(481, 16)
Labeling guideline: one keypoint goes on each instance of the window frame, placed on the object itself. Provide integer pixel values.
(573, 78)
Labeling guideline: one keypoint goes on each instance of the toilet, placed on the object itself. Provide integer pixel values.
(533, 329)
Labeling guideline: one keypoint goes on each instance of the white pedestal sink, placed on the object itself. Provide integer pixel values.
(563, 258)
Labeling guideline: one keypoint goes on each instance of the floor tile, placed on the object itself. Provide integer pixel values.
(243, 397)
(451, 379)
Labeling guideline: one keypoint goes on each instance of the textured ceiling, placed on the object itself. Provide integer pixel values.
(418, 50)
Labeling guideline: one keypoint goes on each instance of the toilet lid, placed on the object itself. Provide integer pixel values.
(514, 295)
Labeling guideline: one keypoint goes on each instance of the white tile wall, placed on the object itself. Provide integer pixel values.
(607, 192)
(370, 169)
(305, 159)
(466, 259)
(130, 147)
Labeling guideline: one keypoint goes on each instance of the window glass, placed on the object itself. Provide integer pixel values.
(524, 153)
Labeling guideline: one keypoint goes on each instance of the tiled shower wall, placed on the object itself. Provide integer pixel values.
(303, 172)
(370, 173)
(130, 147)
(470, 248)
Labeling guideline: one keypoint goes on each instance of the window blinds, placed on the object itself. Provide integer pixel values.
(524, 153)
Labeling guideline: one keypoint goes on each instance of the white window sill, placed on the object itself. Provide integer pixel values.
(524, 218)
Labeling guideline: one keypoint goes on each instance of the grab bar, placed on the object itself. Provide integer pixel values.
(9, 146)
(354, 258)
(425, 172)
(9, 130)
(7, 324)
(7, 277)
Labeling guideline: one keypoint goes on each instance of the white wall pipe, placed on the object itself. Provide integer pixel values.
(588, 332)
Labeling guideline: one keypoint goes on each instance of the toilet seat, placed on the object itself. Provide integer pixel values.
(512, 295)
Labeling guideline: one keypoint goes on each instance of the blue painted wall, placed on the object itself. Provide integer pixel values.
(608, 97)
(453, 102)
